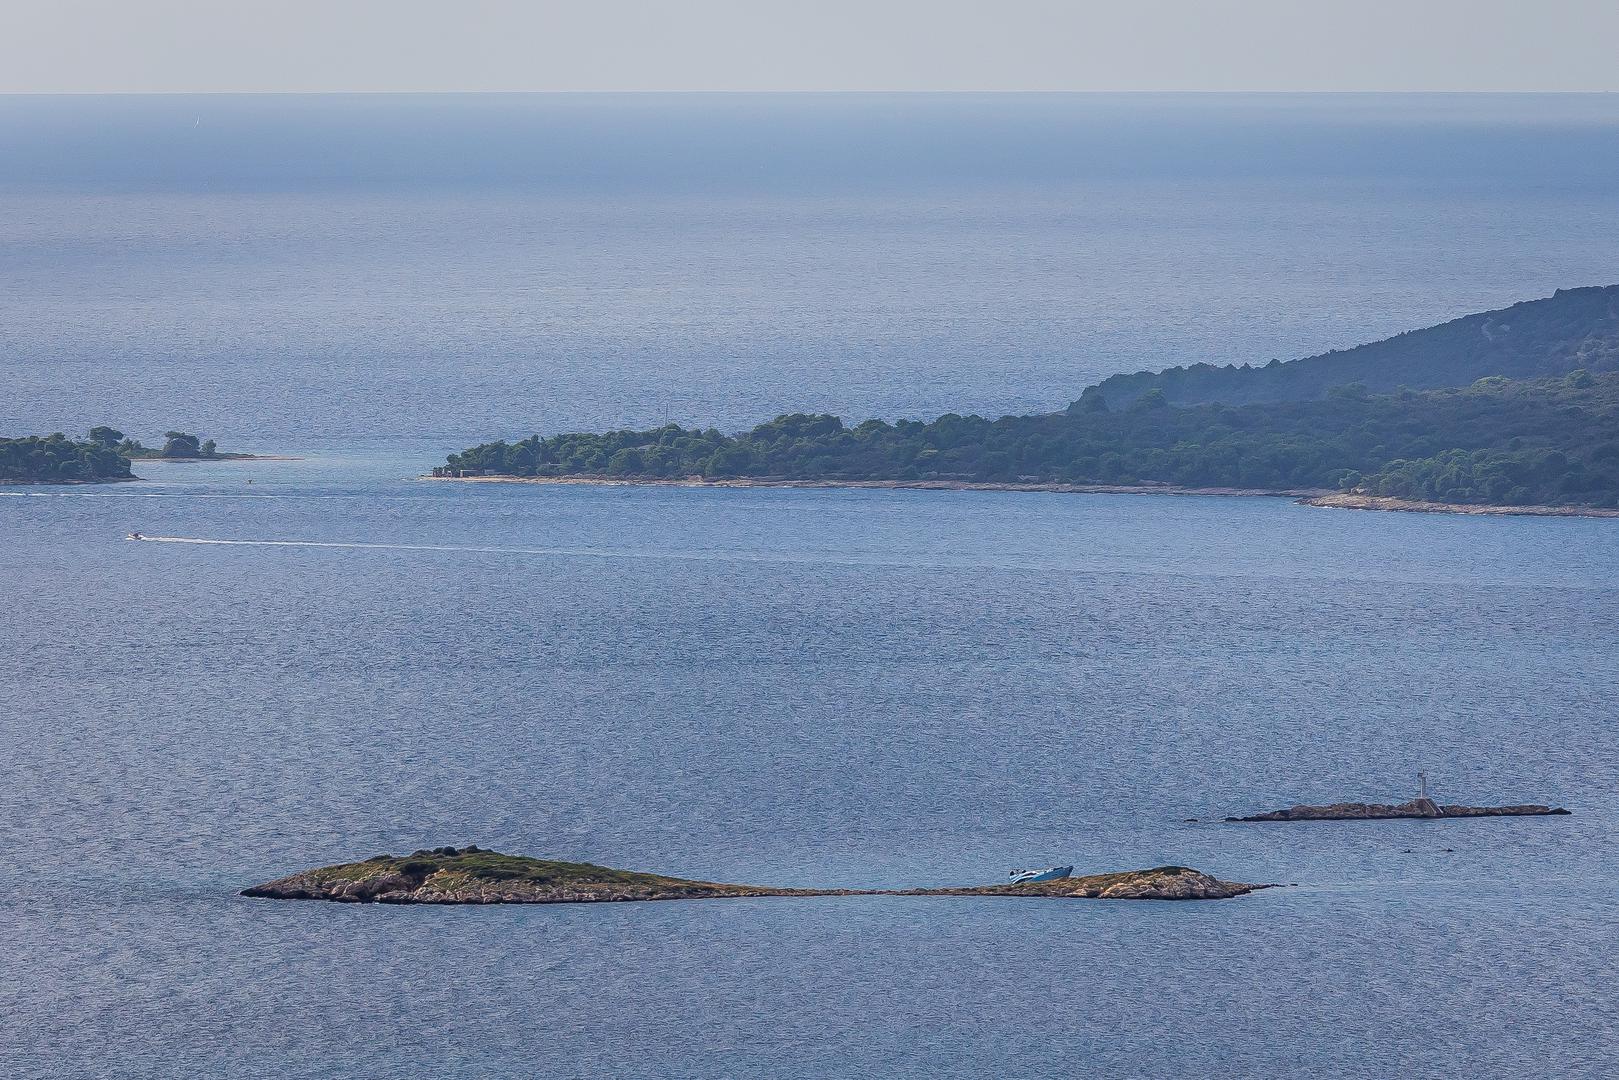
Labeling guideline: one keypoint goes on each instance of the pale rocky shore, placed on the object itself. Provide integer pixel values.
(54, 482)
(1346, 501)
(1323, 497)
(886, 485)
(475, 876)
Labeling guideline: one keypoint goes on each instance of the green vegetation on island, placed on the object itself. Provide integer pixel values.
(177, 445)
(1551, 441)
(448, 875)
(1510, 408)
(57, 459)
(103, 455)
(1572, 330)
(473, 875)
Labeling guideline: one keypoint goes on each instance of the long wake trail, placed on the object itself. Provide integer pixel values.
(807, 558)
(605, 553)
(188, 495)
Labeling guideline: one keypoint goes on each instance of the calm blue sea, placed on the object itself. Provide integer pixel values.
(794, 687)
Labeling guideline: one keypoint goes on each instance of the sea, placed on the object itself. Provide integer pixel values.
(327, 658)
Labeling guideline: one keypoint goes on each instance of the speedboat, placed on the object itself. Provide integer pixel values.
(134, 536)
(1050, 873)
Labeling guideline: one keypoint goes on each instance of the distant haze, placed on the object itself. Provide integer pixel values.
(433, 271)
(75, 46)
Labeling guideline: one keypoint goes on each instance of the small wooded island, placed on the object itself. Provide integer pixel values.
(1516, 409)
(473, 875)
(101, 457)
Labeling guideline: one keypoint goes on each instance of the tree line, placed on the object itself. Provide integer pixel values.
(1500, 441)
(1572, 330)
(104, 454)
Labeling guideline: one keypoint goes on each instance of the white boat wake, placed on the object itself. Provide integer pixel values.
(565, 552)
(806, 558)
(608, 553)
(173, 495)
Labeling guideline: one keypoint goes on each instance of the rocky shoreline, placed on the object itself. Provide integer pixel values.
(133, 479)
(1158, 883)
(1346, 501)
(70, 483)
(1304, 496)
(885, 485)
(473, 875)
(1416, 808)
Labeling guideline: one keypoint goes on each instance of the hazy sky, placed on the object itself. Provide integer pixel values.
(312, 45)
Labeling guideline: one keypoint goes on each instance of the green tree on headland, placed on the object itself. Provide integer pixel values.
(176, 445)
(179, 444)
(1575, 328)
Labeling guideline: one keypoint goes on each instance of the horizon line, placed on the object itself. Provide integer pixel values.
(1183, 92)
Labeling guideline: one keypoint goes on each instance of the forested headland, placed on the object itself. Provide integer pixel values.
(1515, 407)
(1510, 442)
(1572, 330)
(103, 455)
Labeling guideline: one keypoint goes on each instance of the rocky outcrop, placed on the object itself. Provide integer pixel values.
(1416, 808)
(1518, 810)
(1159, 883)
(475, 876)
(1354, 500)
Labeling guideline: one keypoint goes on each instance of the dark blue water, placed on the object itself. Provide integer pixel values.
(793, 687)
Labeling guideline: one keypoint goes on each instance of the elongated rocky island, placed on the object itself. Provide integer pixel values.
(473, 875)
(1416, 808)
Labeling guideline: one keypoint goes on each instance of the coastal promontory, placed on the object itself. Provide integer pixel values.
(473, 875)
(1512, 410)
